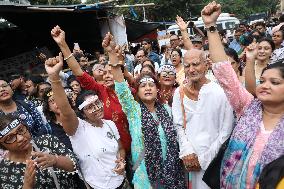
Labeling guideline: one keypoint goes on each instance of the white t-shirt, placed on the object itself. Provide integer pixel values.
(97, 148)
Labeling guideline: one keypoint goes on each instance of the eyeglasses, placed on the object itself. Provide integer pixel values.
(93, 107)
(167, 73)
(144, 43)
(4, 85)
(172, 40)
(11, 138)
(100, 69)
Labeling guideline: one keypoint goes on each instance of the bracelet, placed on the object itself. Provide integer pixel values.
(65, 59)
(54, 81)
(113, 65)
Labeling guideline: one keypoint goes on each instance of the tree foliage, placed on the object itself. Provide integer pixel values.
(168, 9)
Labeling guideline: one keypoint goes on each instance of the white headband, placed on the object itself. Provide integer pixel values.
(11, 126)
(146, 79)
(88, 101)
(167, 68)
(96, 66)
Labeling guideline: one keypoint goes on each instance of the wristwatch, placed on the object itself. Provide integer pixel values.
(211, 29)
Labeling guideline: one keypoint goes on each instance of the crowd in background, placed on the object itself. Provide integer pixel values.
(146, 117)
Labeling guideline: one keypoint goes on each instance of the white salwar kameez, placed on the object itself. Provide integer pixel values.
(209, 122)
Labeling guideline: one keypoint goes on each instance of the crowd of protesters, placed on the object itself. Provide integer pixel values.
(203, 112)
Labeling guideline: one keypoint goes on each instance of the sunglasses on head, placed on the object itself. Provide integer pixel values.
(49, 94)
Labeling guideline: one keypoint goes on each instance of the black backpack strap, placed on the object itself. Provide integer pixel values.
(25, 105)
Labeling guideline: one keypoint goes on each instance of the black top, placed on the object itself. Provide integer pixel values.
(58, 131)
(18, 95)
(272, 174)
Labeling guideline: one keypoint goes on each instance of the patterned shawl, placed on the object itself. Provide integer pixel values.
(235, 162)
(170, 171)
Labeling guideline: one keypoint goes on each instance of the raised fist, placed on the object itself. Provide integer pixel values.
(54, 65)
(210, 13)
(58, 35)
(109, 44)
(114, 51)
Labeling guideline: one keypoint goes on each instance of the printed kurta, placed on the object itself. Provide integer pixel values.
(237, 167)
(133, 110)
(12, 173)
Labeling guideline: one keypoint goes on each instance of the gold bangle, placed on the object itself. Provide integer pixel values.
(120, 63)
(55, 81)
(65, 59)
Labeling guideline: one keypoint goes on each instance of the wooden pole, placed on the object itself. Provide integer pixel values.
(103, 2)
(136, 5)
(107, 2)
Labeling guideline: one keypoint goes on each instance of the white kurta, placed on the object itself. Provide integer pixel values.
(209, 122)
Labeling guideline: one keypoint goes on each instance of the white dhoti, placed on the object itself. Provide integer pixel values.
(197, 182)
(209, 122)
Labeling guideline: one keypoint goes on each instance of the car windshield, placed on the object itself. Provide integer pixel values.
(230, 25)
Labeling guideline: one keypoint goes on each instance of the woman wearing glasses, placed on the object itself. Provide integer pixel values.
(26, 111)
(94, 140)
(40, 163)
(168, 85)
(105, 91)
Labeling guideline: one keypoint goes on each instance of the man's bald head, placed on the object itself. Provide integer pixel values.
(195, 54)
(195, 65)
